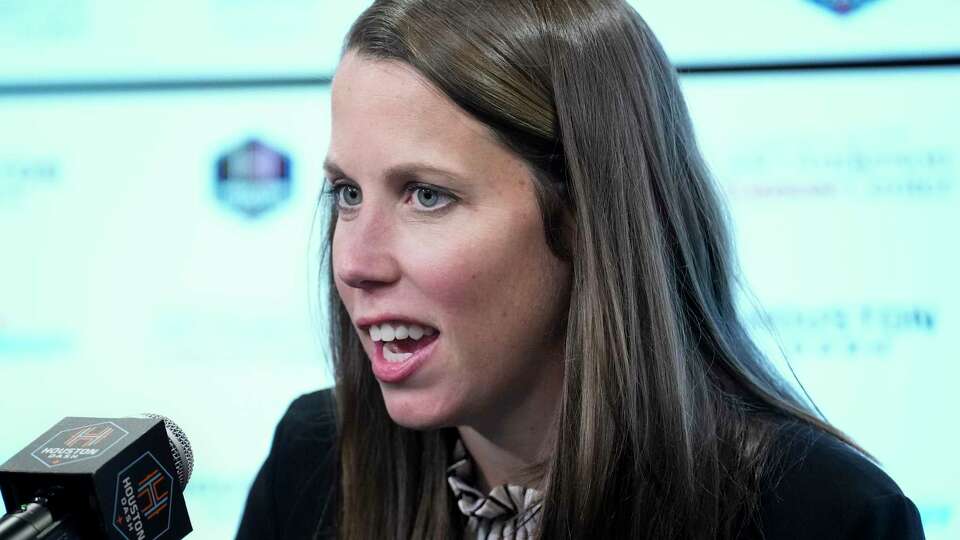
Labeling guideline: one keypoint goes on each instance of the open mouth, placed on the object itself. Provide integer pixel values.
(401, 340)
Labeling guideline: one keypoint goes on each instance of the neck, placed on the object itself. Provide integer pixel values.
(507, 447)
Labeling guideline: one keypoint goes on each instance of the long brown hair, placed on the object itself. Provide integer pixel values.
(668, 408)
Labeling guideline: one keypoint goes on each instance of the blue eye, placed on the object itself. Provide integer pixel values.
(427, 197)
(348, 195)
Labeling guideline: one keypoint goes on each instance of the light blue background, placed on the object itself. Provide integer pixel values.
(126, 286)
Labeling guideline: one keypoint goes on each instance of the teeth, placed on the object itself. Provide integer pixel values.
(388, 332)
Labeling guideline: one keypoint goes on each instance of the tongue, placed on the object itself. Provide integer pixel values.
(410, 345)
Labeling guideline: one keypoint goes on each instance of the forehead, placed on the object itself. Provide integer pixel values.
(385, 110)
(363, 84)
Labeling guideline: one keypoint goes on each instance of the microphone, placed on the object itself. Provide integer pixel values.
(116, 478)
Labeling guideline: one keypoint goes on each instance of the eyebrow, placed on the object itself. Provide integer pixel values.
(404, 171)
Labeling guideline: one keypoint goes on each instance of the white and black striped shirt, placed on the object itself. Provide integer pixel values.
(508, 512)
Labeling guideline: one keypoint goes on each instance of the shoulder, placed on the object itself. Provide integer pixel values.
(295, 489)
(310, 419)
(305, 442)
(819, 487)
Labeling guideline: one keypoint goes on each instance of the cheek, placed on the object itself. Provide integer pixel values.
(450, 276)
(489, 282)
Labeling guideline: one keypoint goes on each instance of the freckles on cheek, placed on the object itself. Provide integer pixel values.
(452, 285)
(447, 276)
(470, 287)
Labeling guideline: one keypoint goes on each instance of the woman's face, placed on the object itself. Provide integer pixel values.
(439, 236)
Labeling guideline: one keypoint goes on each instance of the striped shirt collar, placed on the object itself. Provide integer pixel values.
(507, 512)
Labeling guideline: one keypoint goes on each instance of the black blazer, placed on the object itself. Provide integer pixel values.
(825, 491)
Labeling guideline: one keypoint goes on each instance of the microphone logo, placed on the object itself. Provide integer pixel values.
(79, 444)
(89, 436)
(142, 507)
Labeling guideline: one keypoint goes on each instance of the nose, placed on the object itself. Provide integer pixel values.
(363, 257)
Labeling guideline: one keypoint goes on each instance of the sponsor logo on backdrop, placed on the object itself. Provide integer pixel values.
(21, 176)
(253, 178)
(846, 331)
(79, 444)
(842, 6)
(782, 172)
(142, 507)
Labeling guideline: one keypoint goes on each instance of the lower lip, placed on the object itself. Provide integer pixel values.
(394, 372)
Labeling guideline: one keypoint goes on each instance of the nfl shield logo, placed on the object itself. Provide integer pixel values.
(842, 6)
(253, 178)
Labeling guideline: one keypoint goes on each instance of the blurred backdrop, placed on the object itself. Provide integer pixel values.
(160, 164)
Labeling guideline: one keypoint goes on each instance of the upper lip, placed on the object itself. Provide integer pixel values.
(367, 322)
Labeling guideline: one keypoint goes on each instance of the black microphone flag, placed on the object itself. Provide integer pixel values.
(117, 478)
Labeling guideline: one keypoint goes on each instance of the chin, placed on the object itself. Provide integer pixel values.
(419, 409)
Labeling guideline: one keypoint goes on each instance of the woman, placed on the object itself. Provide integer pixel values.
(534, 329)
